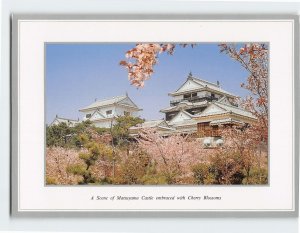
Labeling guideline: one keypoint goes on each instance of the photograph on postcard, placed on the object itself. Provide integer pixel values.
(156, 113)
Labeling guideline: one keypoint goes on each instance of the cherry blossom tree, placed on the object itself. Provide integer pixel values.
(241, 141)
(58, 159)
(142, 58)
(174, 155)
(254, 57)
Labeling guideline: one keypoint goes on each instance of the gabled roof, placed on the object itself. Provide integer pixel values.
(121, 100)
(190, 122)
(197, 84)
(203, 82)
(160, 126)
(185, 105)
(224, 100)
(64, 120)
(180, 117)
(99, 113)
(220, 108)
(236, 110)
(151, 124)
(127, 102)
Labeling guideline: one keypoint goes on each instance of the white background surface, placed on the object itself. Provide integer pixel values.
(245, 225)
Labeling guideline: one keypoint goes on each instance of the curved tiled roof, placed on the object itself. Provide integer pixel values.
(150, 124)
(108, 101)
(236, 110)
(189, 105)
(64, 120)
(203, 85)
(105, 102)
(227, 109)
(224, 121)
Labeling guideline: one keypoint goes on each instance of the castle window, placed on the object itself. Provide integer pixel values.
(189, 95)
(186, 96)
(109, 112)
(88, 115)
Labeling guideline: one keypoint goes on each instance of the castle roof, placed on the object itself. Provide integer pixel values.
(225, 121)
(193, 84)
(184, 105)
(123, 100)
(152, 124)
(58, 120)
(215, 108)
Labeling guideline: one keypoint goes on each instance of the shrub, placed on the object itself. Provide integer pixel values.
(202, 174)
(50, 181)
(134, 167)
(57, 135)
(58, 159)
(257, 176)
(95, 151)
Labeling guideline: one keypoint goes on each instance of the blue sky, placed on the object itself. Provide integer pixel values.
(77, 74)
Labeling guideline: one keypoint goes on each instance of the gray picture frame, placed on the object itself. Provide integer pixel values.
(14, 117)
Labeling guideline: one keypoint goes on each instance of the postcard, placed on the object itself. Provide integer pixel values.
(166, 115)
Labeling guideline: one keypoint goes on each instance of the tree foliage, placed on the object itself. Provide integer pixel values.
(56, 135)
(172, 155)
(240, 160)
(254, 57)
(58, 159)
(142, 58)
(120, 130)
(95, 151)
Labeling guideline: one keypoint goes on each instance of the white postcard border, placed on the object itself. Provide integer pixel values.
(34, 196)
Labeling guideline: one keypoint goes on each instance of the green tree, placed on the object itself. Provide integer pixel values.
(82, 126)
(120, 130)
(58, 135)
(222, 168)
(133, 168)
(95, 152)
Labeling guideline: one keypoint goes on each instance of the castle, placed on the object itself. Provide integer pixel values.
(201, 107)
(197, 107)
